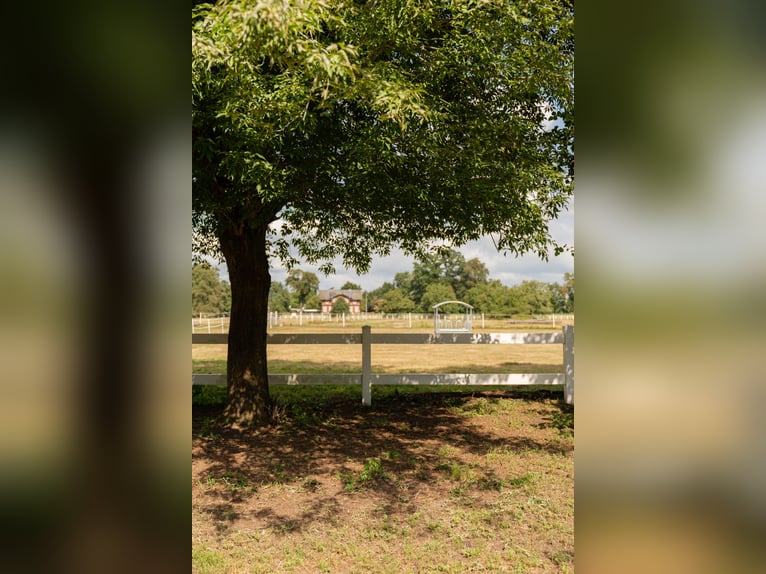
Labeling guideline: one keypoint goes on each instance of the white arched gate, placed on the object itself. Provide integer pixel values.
(453, 322)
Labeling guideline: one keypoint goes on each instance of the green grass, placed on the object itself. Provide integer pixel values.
(232, 481)
(212, 366)
(373, 470)
(307, 367)
(207, 561)
(521, 481)
(564, 421)
(372, 473)
(208, 395)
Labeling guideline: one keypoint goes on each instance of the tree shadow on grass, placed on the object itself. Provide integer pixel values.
(335, 452)
(562, 419)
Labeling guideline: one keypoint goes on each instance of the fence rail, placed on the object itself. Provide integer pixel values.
(220, 323)
(367, 379)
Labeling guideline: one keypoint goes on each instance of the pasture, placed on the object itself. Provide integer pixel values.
(425, 480)
(392, 358)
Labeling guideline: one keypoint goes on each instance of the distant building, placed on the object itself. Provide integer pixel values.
(352, 296)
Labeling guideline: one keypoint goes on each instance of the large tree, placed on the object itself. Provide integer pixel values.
(490, 297)
(474, 273)
(210, 295)
(394, 301)
(438, 293)
(279, 298)
(532, 298)
(447, 266)
(444, 266)
(340, 128)
(304, 285)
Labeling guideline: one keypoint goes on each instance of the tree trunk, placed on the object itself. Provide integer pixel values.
(244, 249)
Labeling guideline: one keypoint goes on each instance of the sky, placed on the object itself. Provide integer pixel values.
(506, 268)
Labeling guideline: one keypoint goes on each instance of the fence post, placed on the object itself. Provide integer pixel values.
(366, 366)
(569, 364)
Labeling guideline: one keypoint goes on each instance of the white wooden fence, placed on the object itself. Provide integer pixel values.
(368, 379)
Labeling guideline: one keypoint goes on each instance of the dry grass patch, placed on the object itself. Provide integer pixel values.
(436, 482)
(396, 358)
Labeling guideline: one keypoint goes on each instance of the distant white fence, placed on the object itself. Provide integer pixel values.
(220, 324)
(216, 324)
(368, 379)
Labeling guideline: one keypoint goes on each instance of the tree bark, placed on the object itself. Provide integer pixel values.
(244, 249)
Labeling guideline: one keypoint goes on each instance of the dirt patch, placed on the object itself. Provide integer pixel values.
(438, 482)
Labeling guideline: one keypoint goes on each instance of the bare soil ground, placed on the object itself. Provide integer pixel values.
(419, 482)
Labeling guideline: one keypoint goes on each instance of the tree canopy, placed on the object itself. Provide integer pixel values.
(361, 125)
(280, 298)
(394, 301)
(350, 285)
(340, 306)
(304, 285)
(448, 267)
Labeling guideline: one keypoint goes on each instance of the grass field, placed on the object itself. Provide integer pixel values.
(397, 358)
(425, 480)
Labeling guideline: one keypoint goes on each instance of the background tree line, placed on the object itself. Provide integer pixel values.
(443, 277)
(449, 276)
